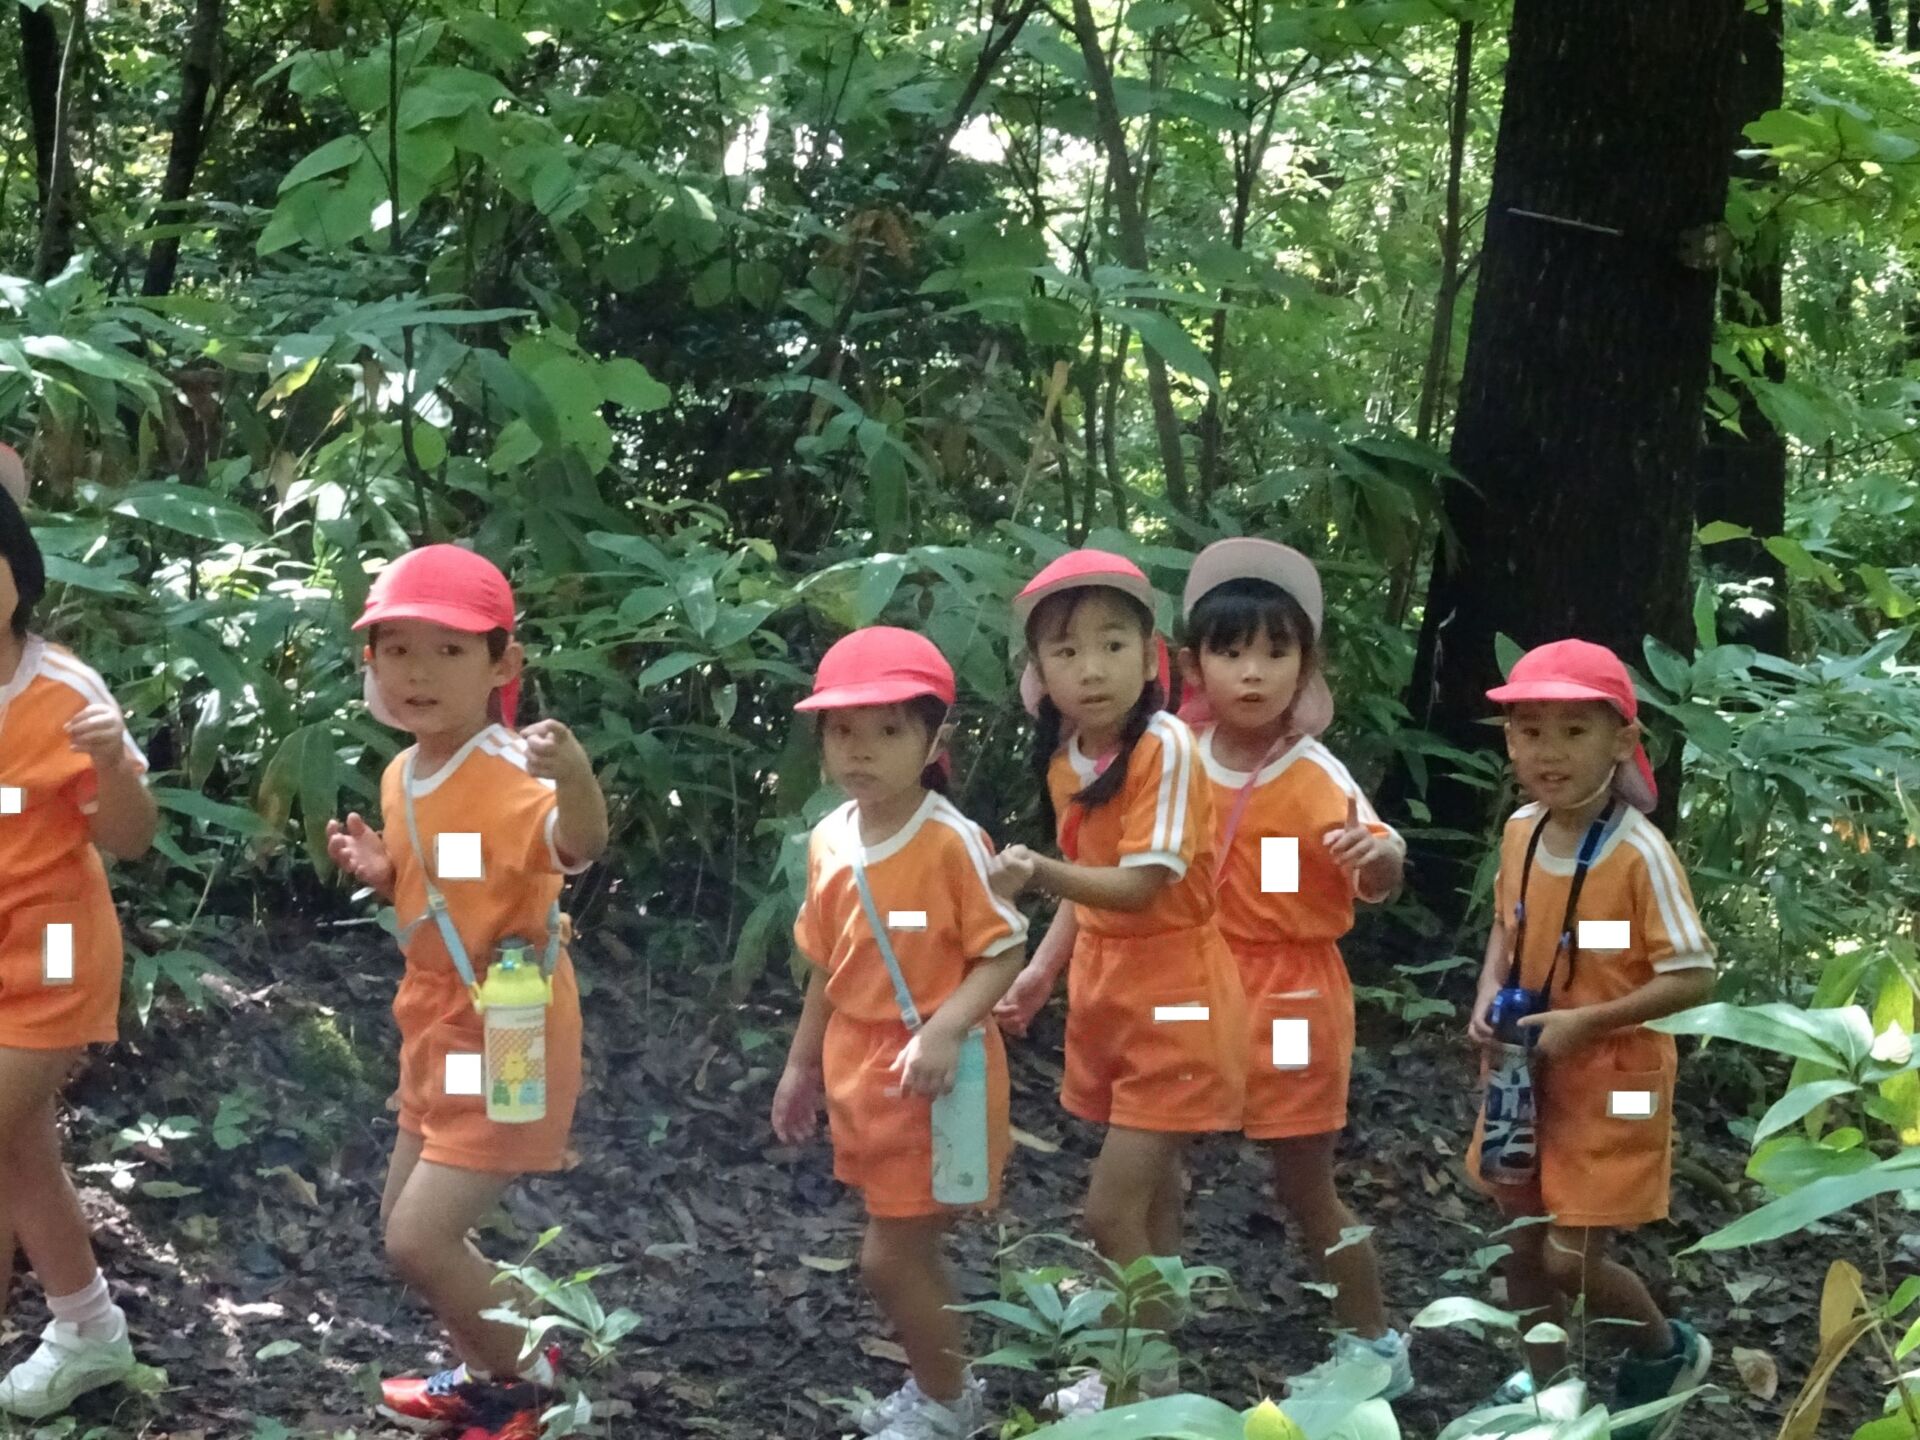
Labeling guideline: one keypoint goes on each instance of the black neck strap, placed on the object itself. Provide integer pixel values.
(1568, 941)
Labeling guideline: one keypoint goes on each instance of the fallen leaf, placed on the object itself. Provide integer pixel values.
(883, 1350)
(301, 1188)
(824, 1262)
(1757, 1369)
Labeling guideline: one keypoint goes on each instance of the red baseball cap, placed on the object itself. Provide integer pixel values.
(1581, 670)
(1077, 570)
(880, 665)
(442, 585)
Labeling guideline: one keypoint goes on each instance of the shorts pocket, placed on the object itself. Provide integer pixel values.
(1302, 1029)
(46, 947)
(1631, 1100)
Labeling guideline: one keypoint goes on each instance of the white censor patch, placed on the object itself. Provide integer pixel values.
(1280, 864)
(1632, 1104)
(466, 1074)
(1606, 934)
(1292, 1047)
(13, 800)
(1174, 1014)
(906, 920)
(56, 955)
(456, 855)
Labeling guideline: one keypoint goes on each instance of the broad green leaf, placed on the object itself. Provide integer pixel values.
(336, 154)
(1797, 1102)
(1171, 342)
(1817, 1201)
(191, 511)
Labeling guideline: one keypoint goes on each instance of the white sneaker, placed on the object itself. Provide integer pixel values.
(929, 1419)
(66, 1365)
(1391, 1347)
(881, 1413)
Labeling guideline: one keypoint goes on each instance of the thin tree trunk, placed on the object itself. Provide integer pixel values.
(1882, 13)
(1579, 417)
(1742, 476)
(1131, 224)
(1913, 24)
(53, 61)
(190, 127)
(40, 71)
(1433, 381)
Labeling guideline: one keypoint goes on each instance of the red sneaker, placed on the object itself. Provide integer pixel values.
(524, 1425)
(454, 1400)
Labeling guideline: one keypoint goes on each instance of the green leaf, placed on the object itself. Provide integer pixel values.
(1817, 1201)
(667, 667)
(1506, 652)
(336, 154)
(1169, 339)
(879, 578)
(1462, 1310)
(275, 1349)
(629, 385)
(190, 511)
(1717, 532)
(1797, 1102)
(1839, 1038)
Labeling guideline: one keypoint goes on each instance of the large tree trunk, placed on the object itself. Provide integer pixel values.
(1743, 476)
(1882, 13)
(190, 126)
(1913, 24)
(1579, 418)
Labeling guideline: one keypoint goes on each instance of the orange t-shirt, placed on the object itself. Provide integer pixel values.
(929, 883)
(1163, 815)
(481, 806)
(1300, 795)
(1636, 879)
(47, 788)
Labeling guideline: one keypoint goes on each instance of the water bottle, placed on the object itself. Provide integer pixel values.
(1509, 1145)
(513, 1002)
(960, 1168)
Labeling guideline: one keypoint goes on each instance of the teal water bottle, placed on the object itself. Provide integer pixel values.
(960, 1169)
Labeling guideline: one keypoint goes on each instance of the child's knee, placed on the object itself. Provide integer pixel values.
(412, 1249)
(1567, 1262)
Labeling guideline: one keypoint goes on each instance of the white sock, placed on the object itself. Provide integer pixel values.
(90, 1311)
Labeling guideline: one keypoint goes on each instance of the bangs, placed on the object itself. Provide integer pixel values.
(1052, 616)
(1233, 614)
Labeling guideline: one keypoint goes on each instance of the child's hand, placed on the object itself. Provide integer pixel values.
(796, 1104)
(553, 753)
(1478, 1030)
(100, 733)
(360, 852)
(928, 1061)
(1562, 1032)
(1024, 998)
(1011, 871)
(1353, 846)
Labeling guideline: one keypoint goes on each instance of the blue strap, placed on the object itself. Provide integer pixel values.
(437, 903)
(909, 1012)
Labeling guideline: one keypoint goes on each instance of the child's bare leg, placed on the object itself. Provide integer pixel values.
(43, 1213)
(901, 1262)
(1129, 1177)
(427, 1243)
(1577, 1260)
(1166, 1217)
(406, 1155)
(1303, 1184)
(1532, 1292)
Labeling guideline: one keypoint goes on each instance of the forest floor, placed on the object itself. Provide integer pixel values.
(247, 1253)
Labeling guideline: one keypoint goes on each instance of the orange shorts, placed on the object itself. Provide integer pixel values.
(437, 1019)
(882, 1136)
(1300, 1038)
(1603, 1163)
(60, 987)
(1134, 1058)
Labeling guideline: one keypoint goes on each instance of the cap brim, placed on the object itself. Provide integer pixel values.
(1026, 601)
(1247, 557)
(1549, 690)
(869, 692)
(454, 617)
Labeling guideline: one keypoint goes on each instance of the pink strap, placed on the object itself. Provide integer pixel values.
(1240, 803)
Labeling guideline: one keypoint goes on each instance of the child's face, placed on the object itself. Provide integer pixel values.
(1563, 751)
(438, 680)
(1249, 685)
(875, 753)
(1095, 665)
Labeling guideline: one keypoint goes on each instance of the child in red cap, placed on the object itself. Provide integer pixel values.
(72, 785)
(909, 948)
(1594, 914)
(1156, 1016)
(505, 815)
(1298, 845)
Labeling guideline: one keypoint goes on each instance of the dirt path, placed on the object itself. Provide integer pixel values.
(248, 1254)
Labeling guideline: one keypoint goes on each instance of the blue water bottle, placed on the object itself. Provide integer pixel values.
(1509, 1146)
(960, 1168)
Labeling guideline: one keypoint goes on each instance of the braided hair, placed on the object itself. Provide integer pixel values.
(1054, 614)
